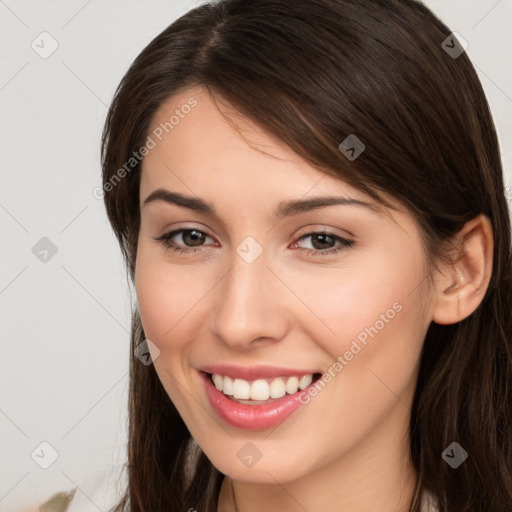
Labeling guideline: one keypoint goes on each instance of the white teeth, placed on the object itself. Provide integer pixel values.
(261, 389)
(217, 380)
(226, 385)
(277, 388)
(305, 381)
(292, 384)
(241, 389)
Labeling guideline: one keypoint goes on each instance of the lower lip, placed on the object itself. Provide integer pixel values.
(251, 417)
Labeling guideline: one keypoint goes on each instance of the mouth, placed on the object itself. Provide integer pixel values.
(261, 391)
(258, 404)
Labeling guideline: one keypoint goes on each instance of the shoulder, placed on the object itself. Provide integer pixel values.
(99, 491)
(428, 502)
(59, 502)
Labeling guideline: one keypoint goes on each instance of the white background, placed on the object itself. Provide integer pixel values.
(65, 323)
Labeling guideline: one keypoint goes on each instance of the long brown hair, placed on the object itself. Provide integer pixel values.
(312, 72)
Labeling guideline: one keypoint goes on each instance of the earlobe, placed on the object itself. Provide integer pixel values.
(461, 285)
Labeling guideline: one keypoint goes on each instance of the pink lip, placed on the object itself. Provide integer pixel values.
(254, 372)
(251, 417)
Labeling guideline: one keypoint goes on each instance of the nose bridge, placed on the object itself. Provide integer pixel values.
(247, 298)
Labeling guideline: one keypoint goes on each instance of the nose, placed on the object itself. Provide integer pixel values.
(250, 304)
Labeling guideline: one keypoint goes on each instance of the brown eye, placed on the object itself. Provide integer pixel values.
(190, 237)
(193, 236)
(322, 243)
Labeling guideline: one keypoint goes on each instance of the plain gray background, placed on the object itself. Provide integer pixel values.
(65, 321)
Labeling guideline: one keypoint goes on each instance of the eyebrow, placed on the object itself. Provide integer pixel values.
(284, 208)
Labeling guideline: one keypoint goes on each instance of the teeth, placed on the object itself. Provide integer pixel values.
(305, 381)
(261, 389)
(277, 388)
(292, 384)
(241, 389)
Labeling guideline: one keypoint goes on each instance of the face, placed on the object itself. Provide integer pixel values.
(337, 291)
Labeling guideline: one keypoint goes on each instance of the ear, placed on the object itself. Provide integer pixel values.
(461, 285)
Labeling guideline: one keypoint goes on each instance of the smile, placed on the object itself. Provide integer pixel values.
(258, 404)
(261, 389)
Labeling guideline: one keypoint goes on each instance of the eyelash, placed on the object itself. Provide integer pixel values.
(344, 243)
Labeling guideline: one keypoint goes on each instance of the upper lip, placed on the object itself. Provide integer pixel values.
(251, 373)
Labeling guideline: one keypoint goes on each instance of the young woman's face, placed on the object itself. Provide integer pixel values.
(338, 290)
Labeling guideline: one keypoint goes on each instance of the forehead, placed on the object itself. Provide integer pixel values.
(212, 144)
(211, 151)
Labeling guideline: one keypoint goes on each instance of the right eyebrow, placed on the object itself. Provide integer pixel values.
(161, 194)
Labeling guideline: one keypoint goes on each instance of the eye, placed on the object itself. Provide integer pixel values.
(193, 240)
(322, 238)
(192, 236)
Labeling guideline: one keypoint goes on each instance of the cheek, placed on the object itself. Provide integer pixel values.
(379, 326)
(369, 313)
(339, 303)
(169, 297)
(153, 298)
(389, 329)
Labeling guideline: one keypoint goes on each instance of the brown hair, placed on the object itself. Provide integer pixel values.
(312, 72)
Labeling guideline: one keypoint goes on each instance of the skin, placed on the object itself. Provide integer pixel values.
(348, 448)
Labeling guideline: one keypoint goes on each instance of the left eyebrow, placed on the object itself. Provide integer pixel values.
(284, 208)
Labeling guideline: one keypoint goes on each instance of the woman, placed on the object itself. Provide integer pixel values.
(309, 199)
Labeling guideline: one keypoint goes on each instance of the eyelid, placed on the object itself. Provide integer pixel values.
(311, 229)
(184, 227)
(324, 228)
(171, 233)
(344, 243)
